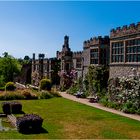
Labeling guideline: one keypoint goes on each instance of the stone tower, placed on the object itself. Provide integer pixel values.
(41, 58)
(66, 56)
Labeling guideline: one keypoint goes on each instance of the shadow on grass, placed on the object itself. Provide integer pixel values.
(21, 112)
(34, 131)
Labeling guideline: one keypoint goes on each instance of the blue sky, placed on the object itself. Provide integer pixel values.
(39, 27)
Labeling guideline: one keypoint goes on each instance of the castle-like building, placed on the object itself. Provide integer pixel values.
(70, 60)
(120, 51)
(95, 51)
(124, 50)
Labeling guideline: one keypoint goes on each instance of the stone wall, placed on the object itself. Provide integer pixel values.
(86, 56)
(79, 73)
(74, 63)
(85, 71)
(123, 70)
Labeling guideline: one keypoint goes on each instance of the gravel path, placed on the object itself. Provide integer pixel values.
(99, 106)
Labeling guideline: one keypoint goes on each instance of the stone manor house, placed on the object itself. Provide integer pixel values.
(120, 51)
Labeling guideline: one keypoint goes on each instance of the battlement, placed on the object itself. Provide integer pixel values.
(77, 54)
(125, 30)
(96, 41)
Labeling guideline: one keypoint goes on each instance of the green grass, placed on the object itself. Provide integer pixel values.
(67, 119)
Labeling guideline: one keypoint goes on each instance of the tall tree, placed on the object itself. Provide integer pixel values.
(9, 67)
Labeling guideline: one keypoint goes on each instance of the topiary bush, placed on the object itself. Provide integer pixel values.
(6, 107)
(11, 107)
(29, 123)
(45, 84)
(10, 86)
(16, 107)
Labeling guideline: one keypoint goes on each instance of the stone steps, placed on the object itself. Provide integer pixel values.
(12, 119)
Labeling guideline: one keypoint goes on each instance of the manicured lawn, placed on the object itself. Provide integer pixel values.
(67, 119)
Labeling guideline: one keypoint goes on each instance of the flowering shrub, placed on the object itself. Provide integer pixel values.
(35, 78)
(67, 79)
(125, 91)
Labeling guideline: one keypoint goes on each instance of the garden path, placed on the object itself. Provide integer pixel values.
(99, 106)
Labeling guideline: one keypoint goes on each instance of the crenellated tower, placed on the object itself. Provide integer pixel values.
(66, 56)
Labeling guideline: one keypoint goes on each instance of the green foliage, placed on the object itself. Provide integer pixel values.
(77, 86)
(104, 101)
(80, 83)
(2, 88)
(63, 88)
(96, 80)
(45, 95)
(55, 93)
(129, 108)
(27, 58)
(85, 94)
(24, 61)
(9, 68)
(86, 82)
(45, 84)
(73, 89)
(138, 111)
(2, 83)
(10, 86)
